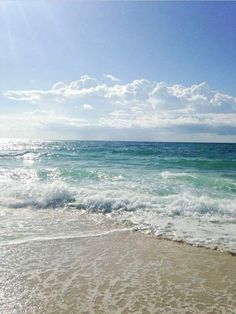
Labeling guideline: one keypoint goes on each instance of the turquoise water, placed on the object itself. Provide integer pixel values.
(181, 191)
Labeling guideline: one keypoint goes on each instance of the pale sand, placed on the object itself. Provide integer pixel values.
(121, 272)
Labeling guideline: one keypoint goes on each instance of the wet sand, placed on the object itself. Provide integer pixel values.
(120, 272)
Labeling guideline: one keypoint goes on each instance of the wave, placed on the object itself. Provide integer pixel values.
(25, 155)
(202, 164)
(37, 195)
(196, 219)
(99, 198)
(199, 180)
(186, 204)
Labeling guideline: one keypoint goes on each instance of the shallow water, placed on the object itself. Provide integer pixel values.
(179, 191)
(115, 272)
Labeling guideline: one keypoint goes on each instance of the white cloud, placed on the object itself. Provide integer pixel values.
(87, 107)
(38, 123)
(140, 104)
(111, 77)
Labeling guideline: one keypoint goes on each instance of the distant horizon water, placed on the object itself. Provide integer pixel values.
(108, 140)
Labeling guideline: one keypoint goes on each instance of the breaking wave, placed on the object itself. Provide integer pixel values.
(101, 199)
(37, 195)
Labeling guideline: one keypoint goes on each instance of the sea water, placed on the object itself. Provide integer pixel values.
(179, 191)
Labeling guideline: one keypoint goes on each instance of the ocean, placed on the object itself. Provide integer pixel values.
(67, 189)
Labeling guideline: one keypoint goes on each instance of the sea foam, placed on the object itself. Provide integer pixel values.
(37, 195)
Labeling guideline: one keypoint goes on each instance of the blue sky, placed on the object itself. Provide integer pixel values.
(128, 70)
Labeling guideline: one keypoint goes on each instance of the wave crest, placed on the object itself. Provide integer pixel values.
(103, 199)
(39, 195)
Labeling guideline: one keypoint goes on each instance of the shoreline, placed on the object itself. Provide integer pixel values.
(216, 248)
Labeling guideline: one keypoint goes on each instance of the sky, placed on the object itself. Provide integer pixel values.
(145, 71)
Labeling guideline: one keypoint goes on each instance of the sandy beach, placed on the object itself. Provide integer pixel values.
(118, 272)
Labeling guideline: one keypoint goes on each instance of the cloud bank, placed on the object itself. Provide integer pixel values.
(140, 110)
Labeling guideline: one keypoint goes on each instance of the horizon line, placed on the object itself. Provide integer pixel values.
(118, 141)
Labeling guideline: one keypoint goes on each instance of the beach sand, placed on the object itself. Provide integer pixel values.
(119, 272)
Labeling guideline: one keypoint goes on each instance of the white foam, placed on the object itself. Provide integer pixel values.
(186, 204)
(65, 237)
(37, 195)
(198, 218)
